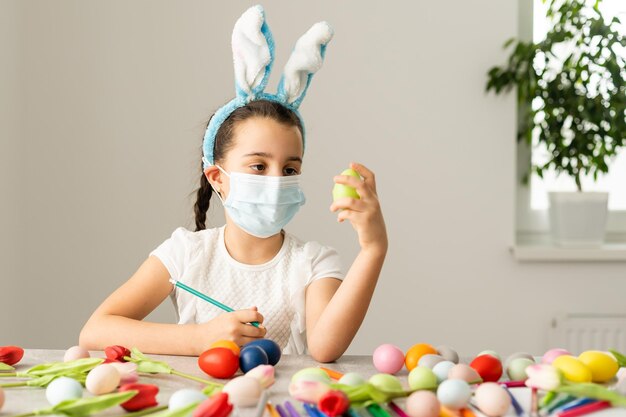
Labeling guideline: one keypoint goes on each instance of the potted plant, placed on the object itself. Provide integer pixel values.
(571, 89)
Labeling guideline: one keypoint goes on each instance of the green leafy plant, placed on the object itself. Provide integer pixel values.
(571, 88)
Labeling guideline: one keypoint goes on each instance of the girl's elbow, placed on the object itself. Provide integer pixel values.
(324, 354)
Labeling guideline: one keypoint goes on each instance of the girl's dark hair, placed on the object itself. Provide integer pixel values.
(224, 142)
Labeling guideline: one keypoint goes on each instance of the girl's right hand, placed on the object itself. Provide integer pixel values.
(232, 326)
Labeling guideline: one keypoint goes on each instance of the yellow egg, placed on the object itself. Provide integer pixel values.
(573, 369)
(603, 366)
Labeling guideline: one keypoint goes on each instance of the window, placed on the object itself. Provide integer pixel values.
(532, 217)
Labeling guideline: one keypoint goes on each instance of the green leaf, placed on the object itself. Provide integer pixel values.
(179, 412)
(64, 368)
(5, 367)
(621, 359)
(147, 365)
(87, 406)
(596, 391)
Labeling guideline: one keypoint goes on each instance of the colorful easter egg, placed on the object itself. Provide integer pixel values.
(448, 353)
(422, 404)
(572, 368)
(517, 355)
(430, 360)
(184, 397)
(464, 372)
(388, 358)
(414, 354)
(442, 369)
(219, 362)
(270, 347)
(516, 369)
(251, 357)
(352, 379)
(602, 365)
(228, 344)
(75, 352)
(422, 378)
(492, 399)
(488, 367)
(386, 382)
(311, 374)
(454, 393)
(102, 379)
(340, 190)
(552, 354)
(63, 388)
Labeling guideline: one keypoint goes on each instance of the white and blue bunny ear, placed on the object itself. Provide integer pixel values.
(305, 60)
(253, 53)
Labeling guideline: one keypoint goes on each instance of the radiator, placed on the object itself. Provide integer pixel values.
(580, 332)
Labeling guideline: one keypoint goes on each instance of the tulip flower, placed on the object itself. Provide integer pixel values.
(308, 391)
(41, 375)
(333, 403)
(215, 406)
(144, 399)
(264, 374)
(127, 370)
(116, 353)
(81, 407)
(11, 355)
(543, 377)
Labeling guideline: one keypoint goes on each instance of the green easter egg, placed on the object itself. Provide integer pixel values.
(340, 190)
(311, 374)
(422, 377)
(386, 382)
(517, 368)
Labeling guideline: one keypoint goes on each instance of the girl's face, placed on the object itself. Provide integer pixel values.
(261, 146)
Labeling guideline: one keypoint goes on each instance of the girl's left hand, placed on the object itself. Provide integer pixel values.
(364, 214)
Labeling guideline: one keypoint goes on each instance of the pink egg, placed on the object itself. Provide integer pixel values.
(75, 352)
(464, 372)
(388, 359)
(552, 354)
(492, 399)
(102, 379)
(422, 404)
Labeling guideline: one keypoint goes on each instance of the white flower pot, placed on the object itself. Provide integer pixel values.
(578, 219)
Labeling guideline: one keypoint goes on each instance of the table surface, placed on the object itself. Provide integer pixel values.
(26, 399)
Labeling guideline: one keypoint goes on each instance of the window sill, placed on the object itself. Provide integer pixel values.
(536, 247)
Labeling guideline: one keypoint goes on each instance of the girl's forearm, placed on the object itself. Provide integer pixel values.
(342, 317)
(157, 338)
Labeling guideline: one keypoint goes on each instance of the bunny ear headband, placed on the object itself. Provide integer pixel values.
(253, 56)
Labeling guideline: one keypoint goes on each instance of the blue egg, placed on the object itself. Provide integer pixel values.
(252, 356)
(270, 347)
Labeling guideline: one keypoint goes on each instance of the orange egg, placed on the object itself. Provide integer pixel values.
(414, 354)
(226, 344)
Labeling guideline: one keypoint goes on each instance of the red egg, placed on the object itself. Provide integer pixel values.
(219, 362)
(488, 367)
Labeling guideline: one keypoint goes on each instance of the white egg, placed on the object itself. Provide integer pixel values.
(102, 379)
(243, 391)
(75, 352)
(442, 369)
(448, 353)
(62, 389)
(454, 393)
(185, 397)
(430, 360)
(352, 378)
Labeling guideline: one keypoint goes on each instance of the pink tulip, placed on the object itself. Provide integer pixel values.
(543, 377)
(308, 391)
(127, 370)
(264, 374)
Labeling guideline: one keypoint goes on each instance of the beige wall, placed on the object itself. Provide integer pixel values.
(102, 127)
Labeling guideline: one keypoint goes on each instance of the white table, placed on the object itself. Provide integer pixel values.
(26, 399)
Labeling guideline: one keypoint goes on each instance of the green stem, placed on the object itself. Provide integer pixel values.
(13, 384)
(194, 378)
(25, 415)
(8, 374)
(146, 411)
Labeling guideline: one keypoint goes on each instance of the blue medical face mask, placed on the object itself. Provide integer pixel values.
(260, 204)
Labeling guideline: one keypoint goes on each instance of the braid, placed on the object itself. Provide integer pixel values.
(202, 202)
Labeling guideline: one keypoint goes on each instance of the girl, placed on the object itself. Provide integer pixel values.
(252, 161)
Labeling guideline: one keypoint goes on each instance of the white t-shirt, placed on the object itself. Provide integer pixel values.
(277, 287)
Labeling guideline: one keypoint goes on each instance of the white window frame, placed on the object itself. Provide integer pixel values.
(533, 222)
